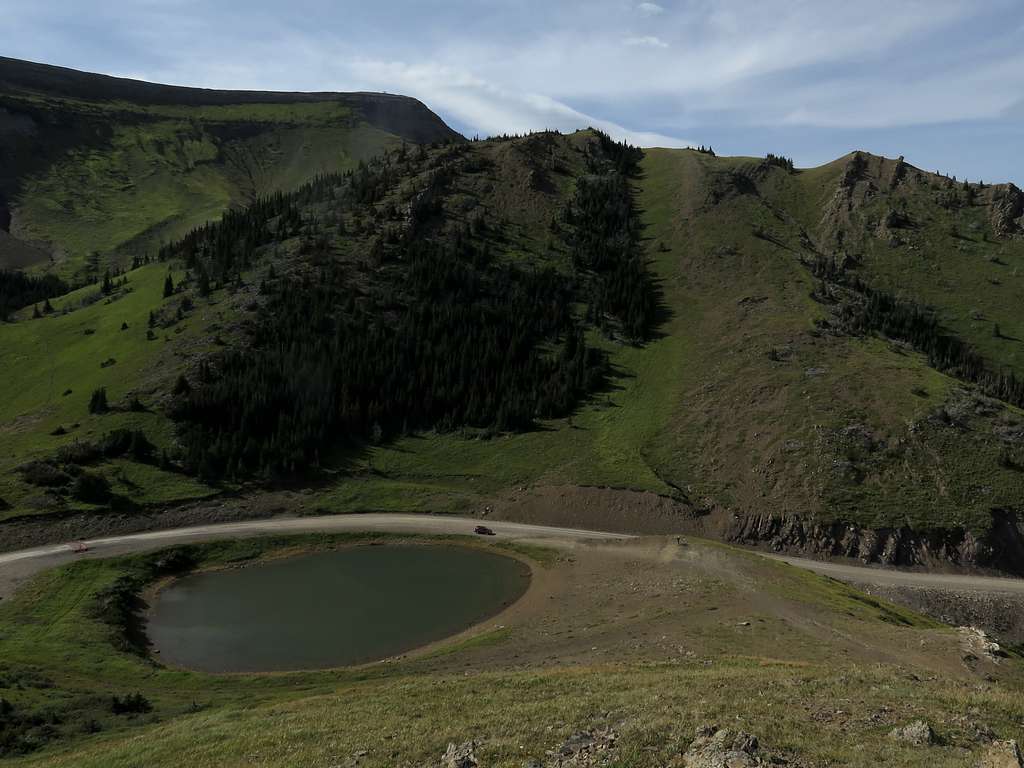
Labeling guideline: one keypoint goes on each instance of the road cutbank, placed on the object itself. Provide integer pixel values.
(18, 565)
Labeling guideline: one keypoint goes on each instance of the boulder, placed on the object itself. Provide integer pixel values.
(715, 747)
(585, 748)
(461, 756)
(917, 733)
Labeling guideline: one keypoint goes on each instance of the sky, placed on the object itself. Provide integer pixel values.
(939, 81)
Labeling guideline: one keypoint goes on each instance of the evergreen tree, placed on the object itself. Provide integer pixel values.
(98, 402)
(92, 266)
(168, 286)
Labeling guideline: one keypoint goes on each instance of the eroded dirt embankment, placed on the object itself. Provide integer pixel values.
(1000, 550)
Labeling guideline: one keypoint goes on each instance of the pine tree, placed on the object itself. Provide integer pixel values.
(168, 286)
(92, 262)
(204, 282)
(108, 286)
(98, 401)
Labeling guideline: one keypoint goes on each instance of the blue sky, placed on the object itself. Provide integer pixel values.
(939, 81)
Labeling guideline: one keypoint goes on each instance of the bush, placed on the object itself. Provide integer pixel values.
(132, 704)
(92, 489)
(116, 443)
(98, 401)
(140, 448)
(126, 441)
(44, 474)
(79, 452)
(181, 386)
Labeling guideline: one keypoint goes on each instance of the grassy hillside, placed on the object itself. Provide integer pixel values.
(752, 400)
(96, 164)
(787, 415)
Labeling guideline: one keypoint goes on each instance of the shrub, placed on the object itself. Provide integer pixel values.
(181, 386)
(98, 401)
(92, 489)
(130, 441)
(116, 443)
(44, 474)
(131, 704)
(79, 452)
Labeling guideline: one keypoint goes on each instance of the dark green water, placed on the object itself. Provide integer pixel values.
(330, 609)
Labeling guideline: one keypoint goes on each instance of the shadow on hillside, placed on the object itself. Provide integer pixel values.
(656, 283)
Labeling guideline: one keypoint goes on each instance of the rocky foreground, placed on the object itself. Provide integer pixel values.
(715, 747)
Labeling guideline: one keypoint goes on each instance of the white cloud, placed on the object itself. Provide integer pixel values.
(498, 67)
(647, 41)
(491, 109)
(650, 9)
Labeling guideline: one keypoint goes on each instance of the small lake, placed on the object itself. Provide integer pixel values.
(330, 609)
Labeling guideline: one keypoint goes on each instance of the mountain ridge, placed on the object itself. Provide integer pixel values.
(823, 359)
(144, 162)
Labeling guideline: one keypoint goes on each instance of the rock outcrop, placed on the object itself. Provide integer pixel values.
(917, 733)
(1002, 547)
(585, 749)
(1006, 212)
(715, 747)
(976, 643)
(460, 756)
(1002, 754)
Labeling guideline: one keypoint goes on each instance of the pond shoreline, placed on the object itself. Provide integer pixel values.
(291, 555)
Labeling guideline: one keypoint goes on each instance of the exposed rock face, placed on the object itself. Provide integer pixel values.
(461, 756)
(917, 733)
(853, 190)
(1007, 210)
(1002, 754)
(975, 642)
(1002, 547)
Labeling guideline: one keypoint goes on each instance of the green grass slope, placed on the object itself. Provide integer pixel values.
(55, 363)
(90, 163)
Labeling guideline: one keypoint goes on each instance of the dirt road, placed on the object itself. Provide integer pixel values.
(887, 577)
(15, 567)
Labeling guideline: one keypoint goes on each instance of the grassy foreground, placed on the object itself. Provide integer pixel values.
(818, 670)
